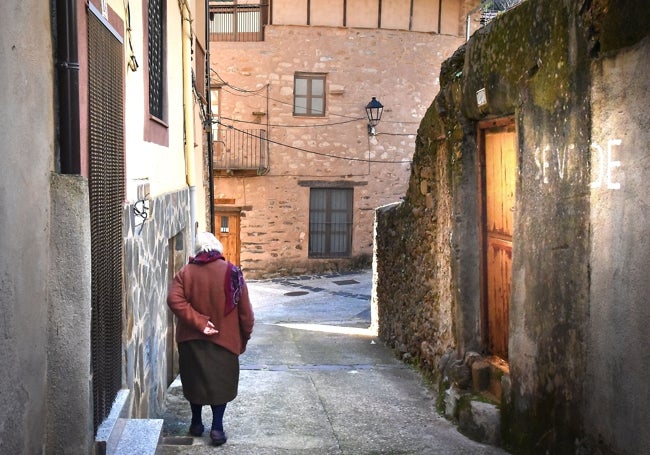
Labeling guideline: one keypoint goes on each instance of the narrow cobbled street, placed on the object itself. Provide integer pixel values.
(315, 380)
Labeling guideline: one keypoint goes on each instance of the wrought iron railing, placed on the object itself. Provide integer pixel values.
(237, 151)
(238, 22)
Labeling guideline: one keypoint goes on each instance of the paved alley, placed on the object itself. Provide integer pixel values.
(314, 380)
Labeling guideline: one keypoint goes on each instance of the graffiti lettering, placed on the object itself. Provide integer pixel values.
(542, 163)
(548, 160)
(561, 160)
(606, 166)
(544, 157)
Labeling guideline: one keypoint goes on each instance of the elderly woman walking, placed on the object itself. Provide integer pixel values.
(215, 321)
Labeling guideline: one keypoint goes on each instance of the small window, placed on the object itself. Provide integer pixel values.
(309, 94)
(330, 222)
(225, 225)
(156, 54)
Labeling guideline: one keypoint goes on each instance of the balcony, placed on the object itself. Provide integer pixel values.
(240, 152)
(231, 22)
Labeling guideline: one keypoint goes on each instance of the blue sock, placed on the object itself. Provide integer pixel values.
(217, 416)
(196, 414)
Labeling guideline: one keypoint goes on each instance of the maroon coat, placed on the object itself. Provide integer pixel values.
(197, 295)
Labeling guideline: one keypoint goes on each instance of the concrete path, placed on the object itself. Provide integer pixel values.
(314, 380)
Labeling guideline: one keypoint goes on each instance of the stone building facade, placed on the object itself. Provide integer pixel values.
(359, 51)
(515, 268)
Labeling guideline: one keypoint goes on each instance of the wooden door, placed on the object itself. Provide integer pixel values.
(227, 231)
(499, 176)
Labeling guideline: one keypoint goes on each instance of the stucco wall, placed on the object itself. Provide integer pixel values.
(69, 384)
(577, 306)
(618, 361)
(27, 131)
(418, 15)
(161, 166)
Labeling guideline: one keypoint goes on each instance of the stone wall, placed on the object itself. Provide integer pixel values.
(573, 79)
(397, 67)
(154, 251)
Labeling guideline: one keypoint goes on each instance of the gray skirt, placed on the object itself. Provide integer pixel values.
(209, 372)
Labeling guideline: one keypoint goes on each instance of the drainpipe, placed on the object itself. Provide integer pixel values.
(188, 112)
(208, 97)
(67, 69)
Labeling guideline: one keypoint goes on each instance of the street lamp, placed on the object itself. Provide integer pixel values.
(374, 109)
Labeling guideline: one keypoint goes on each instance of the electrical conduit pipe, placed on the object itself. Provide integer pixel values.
(188, 108)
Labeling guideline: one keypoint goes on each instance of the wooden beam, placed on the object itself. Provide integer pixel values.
(379, 15)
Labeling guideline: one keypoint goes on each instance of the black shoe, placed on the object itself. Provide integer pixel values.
(197, 430)
(218, 437)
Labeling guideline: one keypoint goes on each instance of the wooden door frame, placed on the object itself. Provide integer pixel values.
(483, 126)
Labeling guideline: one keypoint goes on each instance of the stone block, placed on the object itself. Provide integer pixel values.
(506, 386)
(480, 375)
(460, 374)
(480, 421)
(140, 437)
(451, 403)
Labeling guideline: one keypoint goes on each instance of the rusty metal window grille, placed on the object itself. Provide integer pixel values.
(233, 22)
(106, 194)
(330, 222)
(156, 54)
(309, 94)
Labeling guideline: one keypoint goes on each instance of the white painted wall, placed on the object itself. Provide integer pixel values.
(162, 166)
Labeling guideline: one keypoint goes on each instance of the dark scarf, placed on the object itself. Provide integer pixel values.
(233, 283)
(206, 256)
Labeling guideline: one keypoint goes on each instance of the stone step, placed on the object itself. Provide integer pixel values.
(480, 421)
(120, 435)
(110, 431)
(488, 377)
(479, 416)
(139, 437)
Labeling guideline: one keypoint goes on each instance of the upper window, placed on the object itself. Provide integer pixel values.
(309, 94)
(230, 21)
(156, 54)
(330, 222)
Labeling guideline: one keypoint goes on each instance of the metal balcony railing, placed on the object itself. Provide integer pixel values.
(237, 22)
(241, 151)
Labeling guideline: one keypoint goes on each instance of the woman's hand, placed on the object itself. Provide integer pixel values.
(209, 329)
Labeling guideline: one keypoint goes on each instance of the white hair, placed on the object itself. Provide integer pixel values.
(206, 241)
